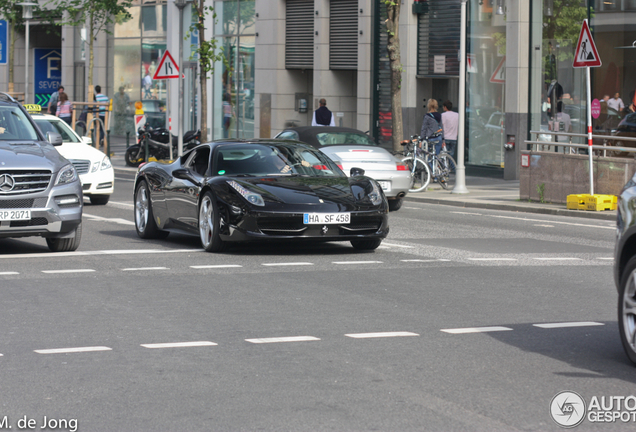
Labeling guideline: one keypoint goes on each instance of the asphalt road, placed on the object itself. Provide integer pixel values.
(442, 328)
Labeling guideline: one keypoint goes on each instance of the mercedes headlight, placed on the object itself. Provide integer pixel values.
(251, 197)
(66, 175)
(105, 163)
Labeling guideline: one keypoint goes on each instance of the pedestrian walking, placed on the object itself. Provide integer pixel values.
(450, 123)
(64, 109)
(322, 116)
(55, 97)
(99, 97)
(228, 113)
(432, 129)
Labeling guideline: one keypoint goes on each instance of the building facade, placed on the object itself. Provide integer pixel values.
(284, 55)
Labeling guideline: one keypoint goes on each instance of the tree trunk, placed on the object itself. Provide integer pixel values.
(203, 76)
(11, 57)
(393, 47)
(91, 60)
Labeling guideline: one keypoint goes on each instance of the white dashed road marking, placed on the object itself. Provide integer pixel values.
(397, 245)
(8, 273)
(492, 259)
(103, 219)
(357, 262)
(145, 268)
(73, 350)
(380, 335)
(179, 344)
(467, 213)
(215, 266)
(101, 252)
(475, 330)
(555, 222)
(69, 271)
(568, 324)
(421, 260)
(558, 259)
(283, 339)
(288, 264)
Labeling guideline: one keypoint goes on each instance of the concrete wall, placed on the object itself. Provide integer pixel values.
(567, 174)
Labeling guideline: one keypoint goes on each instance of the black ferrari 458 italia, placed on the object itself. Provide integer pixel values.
(258, 190)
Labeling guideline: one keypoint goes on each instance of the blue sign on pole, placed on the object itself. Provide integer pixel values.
(4, 41)
(48, 74)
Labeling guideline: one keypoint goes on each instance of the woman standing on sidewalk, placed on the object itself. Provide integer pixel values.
(64, 109)
(432, 129)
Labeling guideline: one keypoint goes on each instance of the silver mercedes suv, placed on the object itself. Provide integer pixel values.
(40, 191)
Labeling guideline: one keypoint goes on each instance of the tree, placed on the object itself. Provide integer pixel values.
(98, 15)
(393, 47)
(209, 54)
(13, 14)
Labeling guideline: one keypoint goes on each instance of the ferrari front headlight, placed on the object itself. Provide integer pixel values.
(376, 194)
(251, 197)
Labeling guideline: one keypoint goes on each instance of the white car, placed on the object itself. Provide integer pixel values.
(93, 166)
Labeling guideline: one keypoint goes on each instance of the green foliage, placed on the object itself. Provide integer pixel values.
(541, 192)
(98, 13)
(208, 51)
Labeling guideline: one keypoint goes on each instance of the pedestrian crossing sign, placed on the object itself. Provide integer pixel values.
(586, 54)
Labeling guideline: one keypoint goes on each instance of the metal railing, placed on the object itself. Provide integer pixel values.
(568, 147)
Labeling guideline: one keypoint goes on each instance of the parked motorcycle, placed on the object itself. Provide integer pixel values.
(158, 145)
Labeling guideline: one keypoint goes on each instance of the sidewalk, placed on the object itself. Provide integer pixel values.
(484, 193)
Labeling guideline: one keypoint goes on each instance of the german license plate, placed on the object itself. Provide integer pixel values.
(14, 215)
(385, 185)
(326, 218)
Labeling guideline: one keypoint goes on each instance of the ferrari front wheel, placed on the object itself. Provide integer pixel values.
(209, 224)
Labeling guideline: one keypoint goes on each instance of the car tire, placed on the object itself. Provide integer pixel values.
(132, 156)
(210, 224)
(66, 244)
(144, 218)
(99, 199)
(627, 309)
(395, 204)
(366, 244)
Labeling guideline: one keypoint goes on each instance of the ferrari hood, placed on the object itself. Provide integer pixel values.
(302, 190)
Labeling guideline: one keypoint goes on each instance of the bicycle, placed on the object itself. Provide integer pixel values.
(438, 166)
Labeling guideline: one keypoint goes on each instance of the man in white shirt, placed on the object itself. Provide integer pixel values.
(616, 103)
(322, 116)
(450, 124)
(562, 123)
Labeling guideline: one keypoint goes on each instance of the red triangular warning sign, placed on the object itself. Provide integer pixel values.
(168, 68)
(586, 54)
(499, 75)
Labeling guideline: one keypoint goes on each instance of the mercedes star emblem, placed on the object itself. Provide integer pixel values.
(6, 183)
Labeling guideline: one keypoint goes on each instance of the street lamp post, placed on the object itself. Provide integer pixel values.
(27, 14)
(181, 4)
(460, 170)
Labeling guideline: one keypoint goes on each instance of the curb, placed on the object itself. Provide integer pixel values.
(518, 208)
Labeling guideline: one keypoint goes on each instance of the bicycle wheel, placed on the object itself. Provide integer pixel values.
(441, 173)
(448, 161)
(420, 173)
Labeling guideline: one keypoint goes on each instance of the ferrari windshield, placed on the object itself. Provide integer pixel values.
(14, 125)
(268, 160)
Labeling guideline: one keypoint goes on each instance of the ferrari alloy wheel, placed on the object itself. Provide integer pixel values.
(144, 218)
(627, 309)
(209, 224)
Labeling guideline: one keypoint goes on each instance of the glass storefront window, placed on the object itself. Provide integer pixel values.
(154, 20)
(151, 52)
(233, 88)
(485, 89)
(131, 27)
(127, 58)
